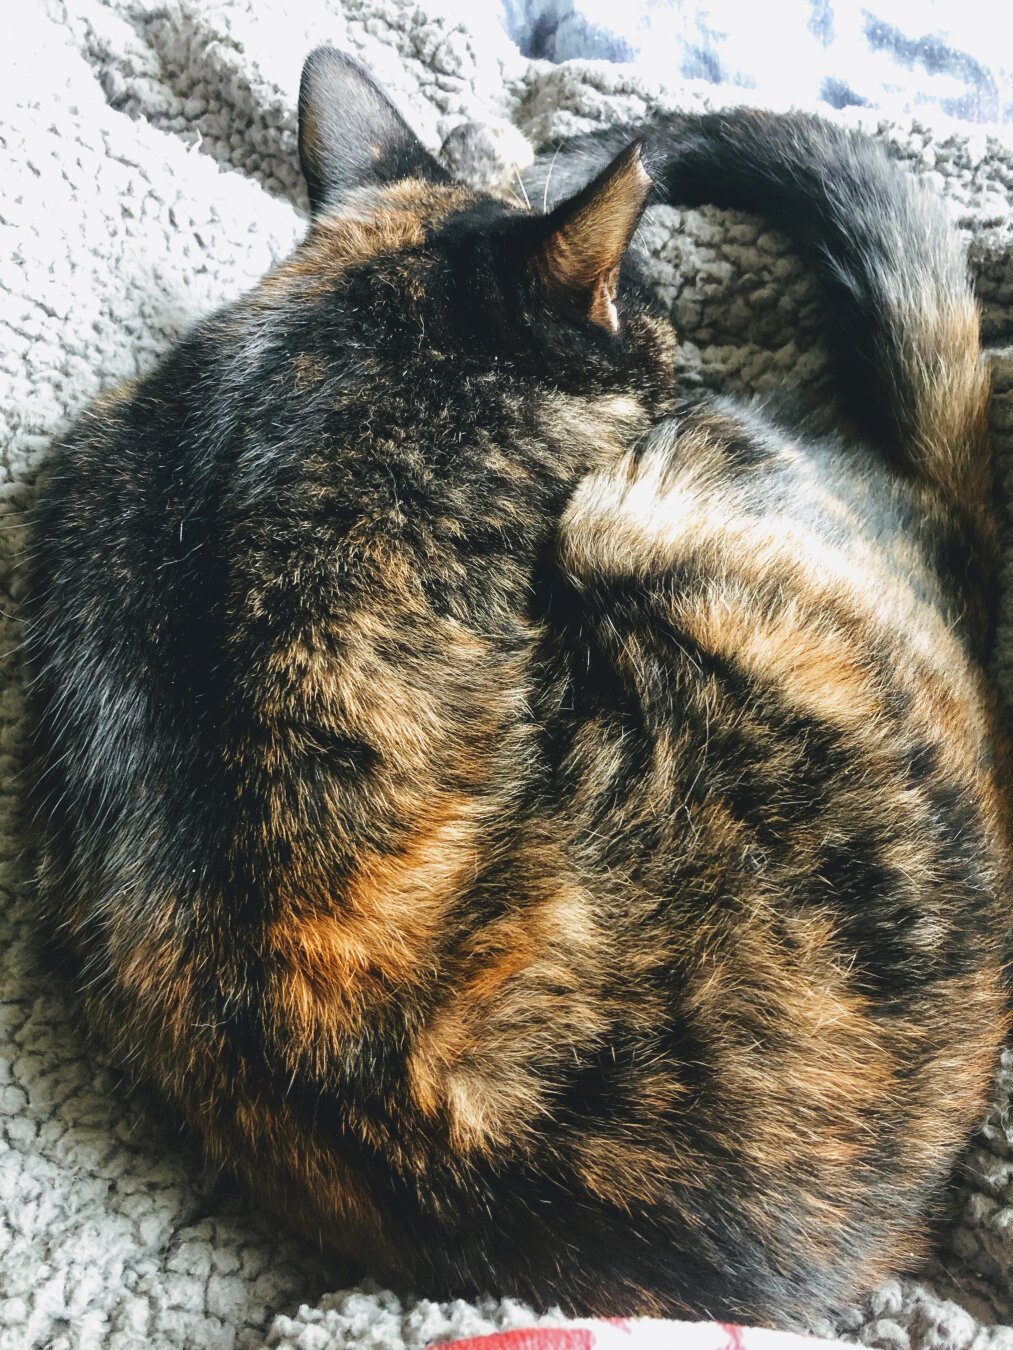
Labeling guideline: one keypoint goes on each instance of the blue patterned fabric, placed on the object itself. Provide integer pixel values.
(907, 56)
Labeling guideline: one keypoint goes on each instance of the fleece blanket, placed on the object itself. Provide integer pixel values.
(150, 174)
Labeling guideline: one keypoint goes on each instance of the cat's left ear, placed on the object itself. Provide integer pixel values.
(587, 237)
(351, 134)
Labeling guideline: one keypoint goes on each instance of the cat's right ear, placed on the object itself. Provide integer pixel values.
(586, 239)
(351, 134)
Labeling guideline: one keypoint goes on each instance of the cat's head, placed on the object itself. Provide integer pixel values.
(424, 264)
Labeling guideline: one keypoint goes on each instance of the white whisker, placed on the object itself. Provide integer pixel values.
(520, 184)
(548, 179)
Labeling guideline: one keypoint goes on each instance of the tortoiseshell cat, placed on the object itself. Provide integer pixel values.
(544, 837)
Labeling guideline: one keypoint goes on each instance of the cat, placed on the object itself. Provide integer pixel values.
(545, 834)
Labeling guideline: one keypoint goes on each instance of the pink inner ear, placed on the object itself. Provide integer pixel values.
(603, 306)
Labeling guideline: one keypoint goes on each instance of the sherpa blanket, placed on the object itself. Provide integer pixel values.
(149, 175)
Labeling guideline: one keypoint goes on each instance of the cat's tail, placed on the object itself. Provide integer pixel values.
(906, 323)
(907, 320)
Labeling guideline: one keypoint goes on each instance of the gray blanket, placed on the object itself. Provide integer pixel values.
(149, 175)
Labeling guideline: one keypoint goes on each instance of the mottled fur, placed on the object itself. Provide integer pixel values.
(544, 837)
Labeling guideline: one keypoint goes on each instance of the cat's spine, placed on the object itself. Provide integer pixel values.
(906, 324)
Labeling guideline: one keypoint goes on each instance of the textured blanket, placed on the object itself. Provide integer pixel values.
(150, 174)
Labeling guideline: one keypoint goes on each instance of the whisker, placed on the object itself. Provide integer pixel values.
(548, 179)
(520, 184)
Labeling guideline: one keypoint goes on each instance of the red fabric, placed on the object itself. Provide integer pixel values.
(616, 1333)
(528, 1338)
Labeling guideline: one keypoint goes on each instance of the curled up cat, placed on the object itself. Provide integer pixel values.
(544, 834)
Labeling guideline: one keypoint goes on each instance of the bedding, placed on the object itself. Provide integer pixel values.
(924, 56)
(149, 175)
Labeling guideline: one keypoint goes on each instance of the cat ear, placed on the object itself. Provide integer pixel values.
(351, 134)
(588, 237)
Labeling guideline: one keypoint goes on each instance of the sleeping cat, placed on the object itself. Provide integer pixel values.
(544, 836)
